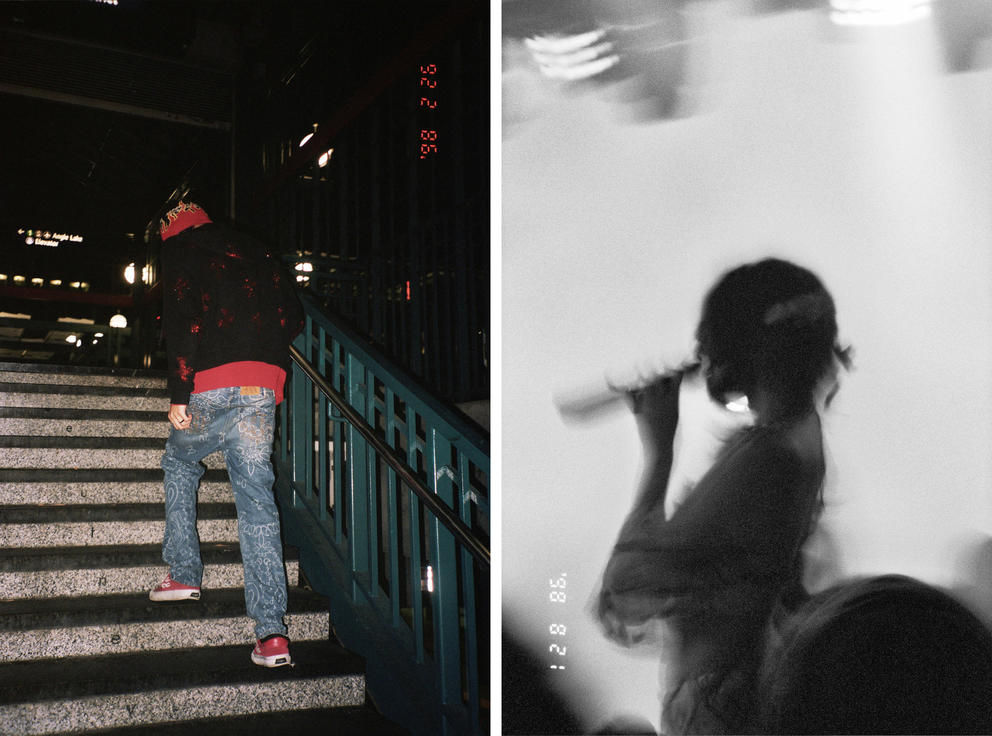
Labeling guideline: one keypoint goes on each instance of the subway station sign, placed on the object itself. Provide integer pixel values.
(49, 238)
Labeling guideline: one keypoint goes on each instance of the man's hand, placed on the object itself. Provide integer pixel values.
(179, 417)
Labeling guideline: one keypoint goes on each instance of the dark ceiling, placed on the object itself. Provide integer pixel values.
(98, 121)
(105, 108)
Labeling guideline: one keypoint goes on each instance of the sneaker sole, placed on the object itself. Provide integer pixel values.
(280, 660)
(175, 595)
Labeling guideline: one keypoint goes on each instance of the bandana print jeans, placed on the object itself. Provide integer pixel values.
(241, 427)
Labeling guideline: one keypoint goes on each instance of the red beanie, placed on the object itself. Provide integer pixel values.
(181, 217)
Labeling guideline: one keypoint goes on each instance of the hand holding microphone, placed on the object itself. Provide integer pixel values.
(643, 393)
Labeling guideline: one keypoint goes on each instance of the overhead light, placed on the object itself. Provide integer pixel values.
(71, 339)
(18, 279)
(79, 342)
(97, 334)
(118, 320)
(306, 267)
(878, 12)
(38, 281)
(325, 157)
(308, 136)
(302, 279)
(55, 282)
(129, 273)
(3, 277)
(74, 285)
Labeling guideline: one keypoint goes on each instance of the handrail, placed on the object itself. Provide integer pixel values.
(455, 525)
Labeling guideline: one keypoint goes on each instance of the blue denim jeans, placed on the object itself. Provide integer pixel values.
(242, 428)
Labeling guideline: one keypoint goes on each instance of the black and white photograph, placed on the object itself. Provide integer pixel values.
(746, 283)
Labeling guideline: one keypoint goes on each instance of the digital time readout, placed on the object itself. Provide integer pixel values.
(428, 103)
(557, 629)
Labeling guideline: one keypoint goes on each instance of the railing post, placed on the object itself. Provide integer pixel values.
(338, 451)
(358, 472)
(323, 409)
(446, 579)
(471, 663)
(416, 559)
(394, 521)
(301, 408)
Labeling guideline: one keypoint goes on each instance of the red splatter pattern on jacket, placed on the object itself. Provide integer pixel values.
(180, 288)
(183, 370)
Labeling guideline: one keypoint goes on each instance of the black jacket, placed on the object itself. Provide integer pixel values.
(225, 299)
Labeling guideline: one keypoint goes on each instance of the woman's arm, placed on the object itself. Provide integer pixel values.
(656, 411)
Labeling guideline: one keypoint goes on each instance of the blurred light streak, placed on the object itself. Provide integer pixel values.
(878, 12)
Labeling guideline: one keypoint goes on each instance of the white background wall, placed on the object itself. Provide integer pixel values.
(858, 156)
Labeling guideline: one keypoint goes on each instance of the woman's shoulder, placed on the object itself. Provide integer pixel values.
(790, 448)
(802, 436)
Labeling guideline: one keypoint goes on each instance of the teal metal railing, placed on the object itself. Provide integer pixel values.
(385, 491)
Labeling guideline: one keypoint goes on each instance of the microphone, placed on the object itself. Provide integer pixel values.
(586, 404)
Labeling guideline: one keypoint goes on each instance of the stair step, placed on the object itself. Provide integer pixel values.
(95, 475)
(157, 688)
(23, 451)
(343, 720)
(119, 624)
(58, 572)
(97, 525)
(110, 492)
(103, 512)
(80, 375)
(83, 397)
(62, 389)
(59, 422)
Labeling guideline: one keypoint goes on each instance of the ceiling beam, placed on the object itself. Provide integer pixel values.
(97, 104)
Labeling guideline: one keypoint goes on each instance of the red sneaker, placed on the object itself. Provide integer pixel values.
(272, 651)
(170, 590)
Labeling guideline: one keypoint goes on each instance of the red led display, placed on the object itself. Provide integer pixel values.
(428, 81)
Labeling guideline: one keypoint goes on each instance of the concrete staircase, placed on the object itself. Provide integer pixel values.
(82, 649)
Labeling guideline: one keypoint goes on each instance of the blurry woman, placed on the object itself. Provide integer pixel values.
(726, 565)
